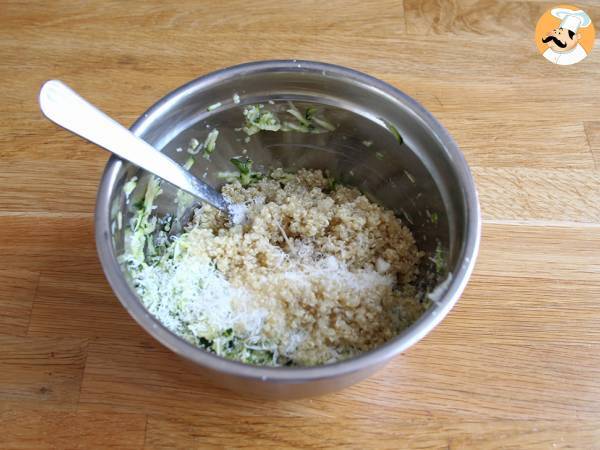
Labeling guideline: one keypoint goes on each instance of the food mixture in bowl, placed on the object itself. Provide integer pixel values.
(315, 273)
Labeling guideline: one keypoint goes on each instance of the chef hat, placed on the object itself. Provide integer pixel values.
(571, 20)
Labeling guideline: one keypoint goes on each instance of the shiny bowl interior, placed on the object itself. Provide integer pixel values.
(423, 178)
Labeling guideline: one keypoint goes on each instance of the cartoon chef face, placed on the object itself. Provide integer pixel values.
(564, 40)
(561, 39)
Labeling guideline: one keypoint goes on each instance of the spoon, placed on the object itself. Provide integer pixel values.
(65, 107)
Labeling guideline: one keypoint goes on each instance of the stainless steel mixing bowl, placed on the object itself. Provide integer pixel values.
(425, 179)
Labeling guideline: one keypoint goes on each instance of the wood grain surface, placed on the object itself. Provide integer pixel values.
(515, 365)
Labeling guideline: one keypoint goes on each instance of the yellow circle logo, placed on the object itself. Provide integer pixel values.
(565, 35)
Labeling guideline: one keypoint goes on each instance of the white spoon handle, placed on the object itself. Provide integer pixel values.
(65, 107)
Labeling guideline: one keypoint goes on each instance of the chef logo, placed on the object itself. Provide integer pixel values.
(565, 35)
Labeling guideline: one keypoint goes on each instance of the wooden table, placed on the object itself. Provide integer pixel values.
(516, 364)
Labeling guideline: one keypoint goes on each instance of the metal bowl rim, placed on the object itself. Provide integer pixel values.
(372, 358)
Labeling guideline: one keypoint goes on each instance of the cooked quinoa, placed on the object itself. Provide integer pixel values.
(316, 273)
